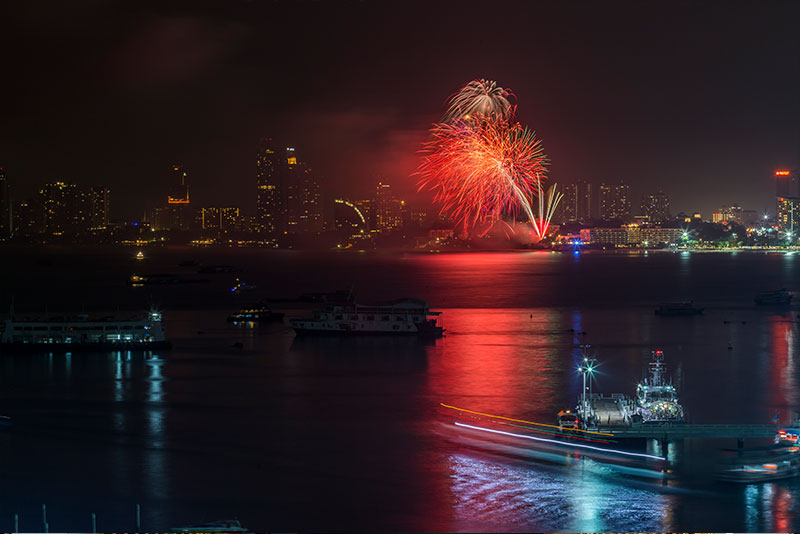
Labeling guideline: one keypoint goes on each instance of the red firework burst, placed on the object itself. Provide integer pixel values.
(482, 168)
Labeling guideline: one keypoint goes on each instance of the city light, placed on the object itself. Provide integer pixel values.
(782, 173)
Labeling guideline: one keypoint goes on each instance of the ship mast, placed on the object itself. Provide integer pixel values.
(657, 368)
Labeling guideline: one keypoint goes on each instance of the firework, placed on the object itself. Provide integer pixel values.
(482, 168)
(482, 97)
(547, 206)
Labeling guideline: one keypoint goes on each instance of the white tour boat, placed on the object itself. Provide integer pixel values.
(399, 317)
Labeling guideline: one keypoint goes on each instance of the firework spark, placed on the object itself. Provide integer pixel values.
(482, 97)
(482, 168)
(546, 210)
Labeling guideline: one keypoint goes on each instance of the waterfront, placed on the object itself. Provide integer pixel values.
(340, 434)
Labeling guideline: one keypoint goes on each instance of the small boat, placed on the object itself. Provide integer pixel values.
(161, 279)
(779, 296)
(759, 464)
(242, 287)
(227, 525)
(258, 313)
(675, 309)
(5, 421)
(140, 255)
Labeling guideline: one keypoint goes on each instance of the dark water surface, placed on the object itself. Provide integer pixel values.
(342, 434)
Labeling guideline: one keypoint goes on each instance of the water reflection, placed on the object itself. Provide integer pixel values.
(783, 375)
(517, 496)
(770, 507)
(506, 362)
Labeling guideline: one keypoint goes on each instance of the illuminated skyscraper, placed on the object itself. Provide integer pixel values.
(304, 209)
(576, 206)
(219, 218)
(656, 207)
(180, 215)
(178, 189)
(270, 188)
(388, 210)
(615, 202)
(97, 207)
(61, 208)
(787, 200)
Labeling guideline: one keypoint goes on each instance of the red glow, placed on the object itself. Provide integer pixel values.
(782, 173)
(482, 168)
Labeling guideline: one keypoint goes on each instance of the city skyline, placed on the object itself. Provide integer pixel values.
(175, 84)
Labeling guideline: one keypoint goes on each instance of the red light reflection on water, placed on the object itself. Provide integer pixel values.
(783, 370)
(506, 362)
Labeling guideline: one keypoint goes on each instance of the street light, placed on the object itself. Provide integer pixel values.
(587, 367)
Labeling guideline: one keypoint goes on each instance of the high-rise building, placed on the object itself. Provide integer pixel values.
(229, 218)
(289, 197)
(270, 185)
(615, 202)
(210, 218)
(219, 218)
(787, 184)
(178, 188)
(62, 208)
(5, 207)
(180, 214)
(388, 209)
(25, 218)
(787, 190)
(568, 207)
(656, 207)
(304, 208)
(98, 207)
(788, 214)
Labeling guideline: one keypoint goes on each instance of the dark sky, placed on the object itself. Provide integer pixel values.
(700, 99)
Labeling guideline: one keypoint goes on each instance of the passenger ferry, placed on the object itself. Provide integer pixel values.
(657, 400)
(399, 317)
(83, 333)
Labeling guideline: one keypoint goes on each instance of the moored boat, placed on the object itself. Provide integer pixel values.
(657, 399)
(399, 317)
(256, 313)
(777, 297)
(228, 525)
(676, 309)
(83, 333)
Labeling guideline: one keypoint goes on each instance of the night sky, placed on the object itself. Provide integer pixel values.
(700, 99)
